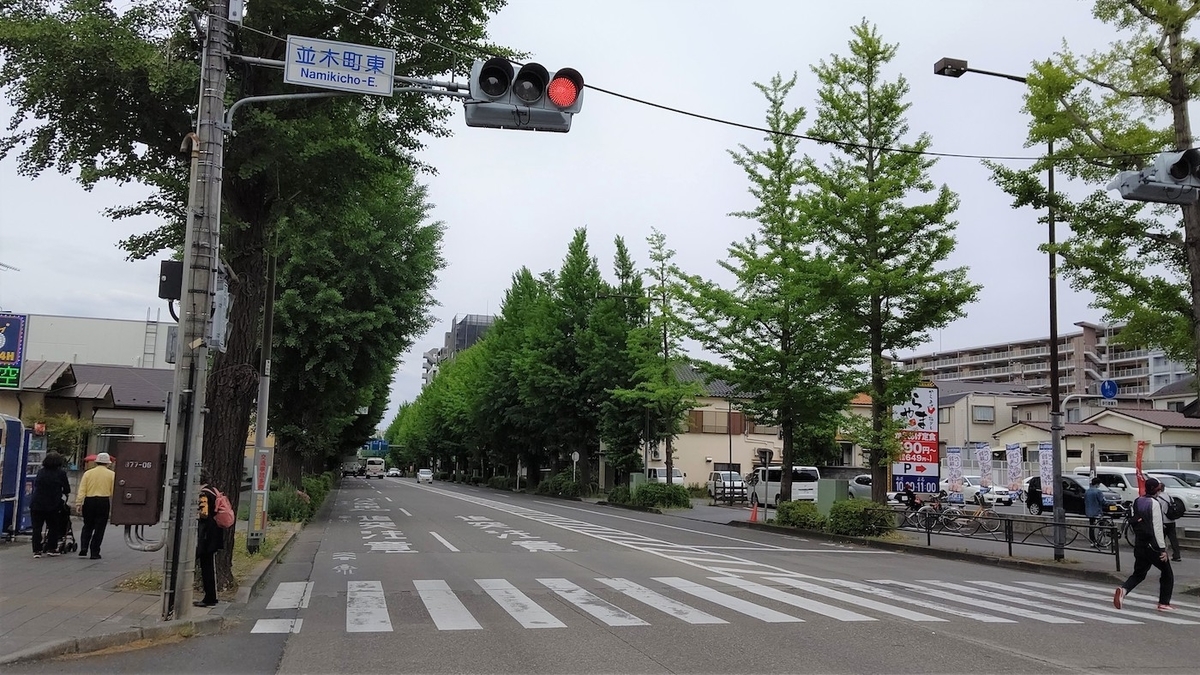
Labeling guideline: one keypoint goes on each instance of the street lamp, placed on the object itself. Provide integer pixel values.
(955, 68)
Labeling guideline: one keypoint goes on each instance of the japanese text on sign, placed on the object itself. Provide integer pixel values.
(339, 65)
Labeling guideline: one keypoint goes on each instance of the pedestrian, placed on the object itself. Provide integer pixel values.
(1169, 531)
(1093, 506)
(1149, 548)
(94, 502)
(210, 538)
(50, 487)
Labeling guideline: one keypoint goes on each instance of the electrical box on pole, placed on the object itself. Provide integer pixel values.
(1174, 178)
(531, 98)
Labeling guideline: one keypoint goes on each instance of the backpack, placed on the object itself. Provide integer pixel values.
(1176, 508)
(222, 513)
(1143, 517)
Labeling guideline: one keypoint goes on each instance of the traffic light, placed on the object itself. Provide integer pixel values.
(532, 98)
(1173, 179)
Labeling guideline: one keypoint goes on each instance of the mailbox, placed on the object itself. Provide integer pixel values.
(141, 470)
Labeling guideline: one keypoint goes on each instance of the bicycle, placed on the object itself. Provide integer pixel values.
(1105, 532)
(937, 514)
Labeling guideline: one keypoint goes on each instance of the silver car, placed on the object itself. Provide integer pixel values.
(860, 486)
(425, 476)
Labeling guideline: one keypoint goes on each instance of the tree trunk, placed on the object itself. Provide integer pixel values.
(877, 454)
(670, 459)
(1178, 87)
(288, 463)
(788, 426)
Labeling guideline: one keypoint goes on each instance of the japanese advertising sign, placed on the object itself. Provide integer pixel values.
(12, 350)
(983, 454)
(918, 465)
(954, 475)
(1016, 473)
(1046, 471)
(339, 65)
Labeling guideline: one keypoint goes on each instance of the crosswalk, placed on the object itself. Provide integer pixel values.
(551, 603)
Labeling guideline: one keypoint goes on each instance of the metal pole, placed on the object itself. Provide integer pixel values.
(729, 467)
(1056, 421)
(201, 257)
(257, 527)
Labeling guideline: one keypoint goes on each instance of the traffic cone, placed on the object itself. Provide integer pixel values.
(754, 512)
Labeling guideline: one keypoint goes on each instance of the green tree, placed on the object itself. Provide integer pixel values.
(783, 344)
(884, 225)
(1112, 111)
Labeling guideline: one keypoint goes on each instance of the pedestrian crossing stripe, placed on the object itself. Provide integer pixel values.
(839, 599)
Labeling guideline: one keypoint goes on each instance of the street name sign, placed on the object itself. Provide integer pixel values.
(339, 65)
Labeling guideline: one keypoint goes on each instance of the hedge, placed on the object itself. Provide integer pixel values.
(851, 517)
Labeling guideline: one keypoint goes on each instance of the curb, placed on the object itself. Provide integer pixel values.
(631, 507)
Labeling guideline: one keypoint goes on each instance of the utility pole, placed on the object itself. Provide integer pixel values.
(201, 255)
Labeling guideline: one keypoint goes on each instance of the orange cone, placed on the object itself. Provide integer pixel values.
(754, 513)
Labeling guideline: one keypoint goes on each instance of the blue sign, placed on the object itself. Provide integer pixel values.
(1108, 389)
(12, 350)
(376, 447)
(339, 65)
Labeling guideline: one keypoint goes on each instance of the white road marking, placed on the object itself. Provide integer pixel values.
(671, 527)
(976, 600)
(609, 614)
(865, 603)
(1107, 591)
(794, 600)
(911, 601)
(518, 605)
(388, 498)
(366, 608)
(277, 626)
(446, 610)
(1103, 607)
(291, 595)
(444, 542)
(1035, 599)
(405, 513)
(728, 601)
(661, 602)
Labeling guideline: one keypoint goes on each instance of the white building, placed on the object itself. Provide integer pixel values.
(115, 342)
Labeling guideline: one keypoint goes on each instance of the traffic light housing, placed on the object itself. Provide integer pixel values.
(1178, 167)
(1174, 178)
(531, 98)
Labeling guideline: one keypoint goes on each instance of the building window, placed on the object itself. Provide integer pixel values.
(1073, 414)
(1016, 414)
(108, 437)
(1196, 454)
(1176, 406)
(1074, 454)
(943, 415)
(847, 454)
(983, 414)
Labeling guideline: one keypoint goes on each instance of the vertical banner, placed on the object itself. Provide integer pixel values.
(1141, 451)
(1016, 472)
(1046, 471)
(918, 464)
(12, 350)
(1092, 462)
(954, 475)
(983, 454)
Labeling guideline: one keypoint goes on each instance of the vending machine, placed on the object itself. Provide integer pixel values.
(14, 454)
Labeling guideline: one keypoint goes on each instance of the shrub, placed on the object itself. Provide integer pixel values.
(651, 495)
(697, 490)
(619, 495)
(859, 518)
(500, 482)
(288, 503)
(800, 514)
(559, 485)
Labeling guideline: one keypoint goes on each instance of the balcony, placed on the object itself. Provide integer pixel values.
(1129, 372)
(1129, 355)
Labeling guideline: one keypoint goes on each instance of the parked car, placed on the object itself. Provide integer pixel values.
(973, 493)
(425, 476)
(393, 472)
(860, 486)
(1174, 487)
(1074, 487)
(764, 484)
(726, 485)
(1192, 478)
(659, 474)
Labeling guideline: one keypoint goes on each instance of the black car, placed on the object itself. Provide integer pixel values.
(1073, 489)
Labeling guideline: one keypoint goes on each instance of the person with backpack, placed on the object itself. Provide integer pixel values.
(94, 503)
(1149, 548)
(210, 536)
(1171, 511)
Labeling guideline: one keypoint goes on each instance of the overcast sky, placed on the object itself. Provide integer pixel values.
(513, 198)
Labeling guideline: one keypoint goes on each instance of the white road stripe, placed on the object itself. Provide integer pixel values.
(1152, 593)
(388, 498)
(405, 513)
(1164, 617)
(909, 600)
(291, 595)
(444, 542)
(609, 614)
(976, 601)
(661, 602)
(865, 603)
(1042, 601)
(518, 605)
(794, 600)
(277, 626)
(366, 608)
(446, 610)
(728, 601)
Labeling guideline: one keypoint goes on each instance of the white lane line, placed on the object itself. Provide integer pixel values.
(1108, 591)
(388, 498)
(1067, 598)
(406, 513)
(670, 527)
(446, 610)
(661, 602)
(976, 600)
(291, 595)
(518, 605)
(444, 542)
(366, 608)
(794, 600)
(865, 603)
(728, 601)
(1040, 599)
(277, 626)
(910, 601)
(609, 614)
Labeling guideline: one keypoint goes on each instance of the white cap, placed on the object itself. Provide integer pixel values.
(103, 458)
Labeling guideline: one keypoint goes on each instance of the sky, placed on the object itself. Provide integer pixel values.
(510, 199)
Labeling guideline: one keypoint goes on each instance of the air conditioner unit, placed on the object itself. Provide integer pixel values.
(655, 454)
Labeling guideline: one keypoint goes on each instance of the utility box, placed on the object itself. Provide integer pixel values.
(830, 490)
(141, 471)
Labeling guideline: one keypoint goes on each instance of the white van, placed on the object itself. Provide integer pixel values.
(659, 475)
(375, 467)
(764, 484)
(1119, 479)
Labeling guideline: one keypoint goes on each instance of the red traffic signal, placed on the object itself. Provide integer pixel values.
(564, 89)
(531, 99)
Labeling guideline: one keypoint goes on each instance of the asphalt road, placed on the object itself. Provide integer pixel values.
(451, 579)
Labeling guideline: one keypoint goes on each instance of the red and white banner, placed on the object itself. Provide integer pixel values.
(1141, 451)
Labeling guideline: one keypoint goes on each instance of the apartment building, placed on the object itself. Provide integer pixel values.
(463, 333)
(1086, 358)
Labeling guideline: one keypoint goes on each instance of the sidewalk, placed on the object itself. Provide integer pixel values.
(68, 598)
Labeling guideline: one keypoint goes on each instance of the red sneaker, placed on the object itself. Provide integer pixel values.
(1166, 608)
(1118, 596)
